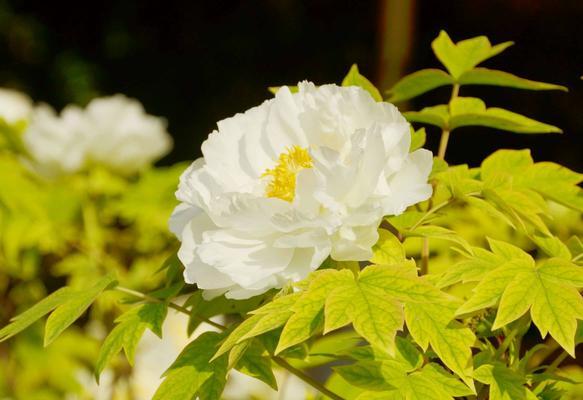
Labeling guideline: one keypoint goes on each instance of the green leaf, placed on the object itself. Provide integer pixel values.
(366, 374)
(418, 83)
(418, 138)
(516, 169)
(199, 307)
(36, 312)
(434, 324)
(460, 181)
(269, 317)
(438, 232)
(191, 371)
(354, 78)
(374, 314)
(555, 182)
(522, 206)
(504, 383)
(435, 115)
(492, 77)
(463, 56)
(552, 246)
(388, 249)
(128, 333)
(68, 312)
(469, 111)
(400, 281)
(308, 310)
(255, 363)
(548, 290)
(473, 269)
(431, 382)
(406, 353)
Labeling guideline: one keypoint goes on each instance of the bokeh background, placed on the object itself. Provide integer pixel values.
(196, 62)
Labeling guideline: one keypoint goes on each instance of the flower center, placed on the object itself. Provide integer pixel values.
(283, 176)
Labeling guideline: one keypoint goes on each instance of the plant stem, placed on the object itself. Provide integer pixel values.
(506, 343)
(431, 211)
(306, 378)
(540, 356)
(555, 364)
(174, 306)
(424, 257)
(391, 228)
(445, 133)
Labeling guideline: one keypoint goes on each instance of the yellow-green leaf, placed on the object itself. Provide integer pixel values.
(354, 78)
(418, 83)
(67, 313)
(492, 77)
(463, 56)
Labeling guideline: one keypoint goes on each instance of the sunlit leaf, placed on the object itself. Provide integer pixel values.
(485, 76)
(464, 55)
(418, 83)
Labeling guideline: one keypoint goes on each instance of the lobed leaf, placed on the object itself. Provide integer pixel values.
(463, 56)
(434, 324)
(548, 290)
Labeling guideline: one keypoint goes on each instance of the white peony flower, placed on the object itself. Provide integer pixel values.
(122, 136)
(56, 143)
(14, 106)
(299, 178)
(114, 132)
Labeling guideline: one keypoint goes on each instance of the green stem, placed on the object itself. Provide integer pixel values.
(555, 364)
(306, 378)
(430, 212)
(508, 340)
(445, 132)
(540, 356)
(174, 306)
(424, 257)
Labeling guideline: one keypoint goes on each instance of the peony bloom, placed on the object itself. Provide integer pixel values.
(14, 106)
(114, 132)
(299, 178)
(55, 143)
(122, 136)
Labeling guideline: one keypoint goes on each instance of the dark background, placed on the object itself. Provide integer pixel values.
(196, 62)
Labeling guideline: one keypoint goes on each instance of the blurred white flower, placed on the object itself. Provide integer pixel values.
(286, 184)
(14, 106)
(114, 132)
(122, 136)
(56, 143)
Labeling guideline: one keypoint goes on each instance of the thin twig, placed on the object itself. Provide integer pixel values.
(306, 378)
(446, 131)
(174, 306)
(506, 343)
(555, 364)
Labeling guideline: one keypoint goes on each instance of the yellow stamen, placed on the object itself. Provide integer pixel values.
(283, 182)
